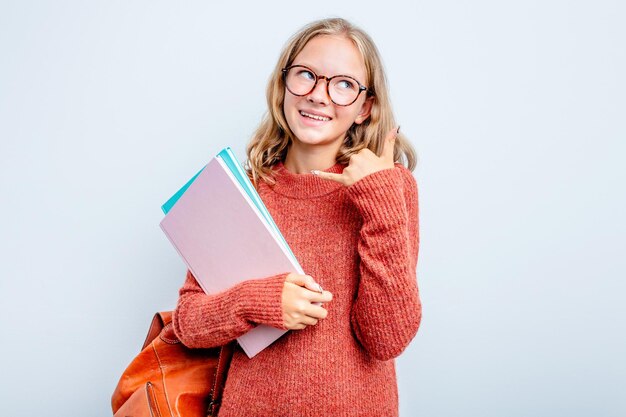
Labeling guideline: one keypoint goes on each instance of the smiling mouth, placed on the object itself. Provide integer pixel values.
(314, 116)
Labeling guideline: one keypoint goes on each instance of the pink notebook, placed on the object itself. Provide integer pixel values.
(224, 240)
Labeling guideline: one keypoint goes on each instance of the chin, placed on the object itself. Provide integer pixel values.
(313, 139)
(316, 136)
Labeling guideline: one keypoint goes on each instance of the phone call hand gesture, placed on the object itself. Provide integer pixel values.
(365, 162)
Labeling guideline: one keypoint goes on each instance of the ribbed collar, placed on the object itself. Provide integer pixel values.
(304, 185)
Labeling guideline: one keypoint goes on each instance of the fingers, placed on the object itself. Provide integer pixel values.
(311, 285)
(314, 307)
(365, 162)
(316, 312)
(302, 301)
(308, 315)
(312, 291)
(314, 296)
(389, 144)
(309, 321)
(305, 281)
(323, 297)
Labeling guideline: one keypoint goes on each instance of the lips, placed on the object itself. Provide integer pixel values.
(315, 115)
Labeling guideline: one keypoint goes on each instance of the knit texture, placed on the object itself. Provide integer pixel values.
(360, 243)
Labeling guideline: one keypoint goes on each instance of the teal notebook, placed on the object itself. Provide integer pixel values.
(173, 199)
(240, 175)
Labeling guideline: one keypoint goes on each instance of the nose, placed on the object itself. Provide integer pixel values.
(320, 92)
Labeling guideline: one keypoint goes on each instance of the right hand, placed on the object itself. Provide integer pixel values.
(300, 292)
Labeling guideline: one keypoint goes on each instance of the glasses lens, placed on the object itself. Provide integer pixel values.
(300, 80)
(343, 90)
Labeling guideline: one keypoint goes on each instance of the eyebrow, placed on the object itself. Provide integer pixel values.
(317, 71)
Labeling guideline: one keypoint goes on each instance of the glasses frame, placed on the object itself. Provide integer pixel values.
(328, 79)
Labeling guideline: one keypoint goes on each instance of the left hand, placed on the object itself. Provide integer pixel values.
(364, 162)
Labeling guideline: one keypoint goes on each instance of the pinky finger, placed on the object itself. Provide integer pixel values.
(330, 176)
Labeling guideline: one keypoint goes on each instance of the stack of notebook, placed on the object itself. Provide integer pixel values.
(225, 235)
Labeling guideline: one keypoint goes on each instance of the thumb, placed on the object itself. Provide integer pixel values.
(389, 144)
(305, 281)
(310, 284)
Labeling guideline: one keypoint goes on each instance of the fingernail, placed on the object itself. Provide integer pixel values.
(314, 172)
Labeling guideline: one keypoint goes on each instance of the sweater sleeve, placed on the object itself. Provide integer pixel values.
(204, 321)
(387, 311)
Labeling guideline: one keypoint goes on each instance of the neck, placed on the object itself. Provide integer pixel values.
(301, 159)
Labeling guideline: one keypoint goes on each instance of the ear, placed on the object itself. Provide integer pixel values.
(366, 109)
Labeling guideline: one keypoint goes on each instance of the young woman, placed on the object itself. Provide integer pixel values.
(325, 162)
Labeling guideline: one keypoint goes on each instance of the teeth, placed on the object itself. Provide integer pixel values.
(313, 116)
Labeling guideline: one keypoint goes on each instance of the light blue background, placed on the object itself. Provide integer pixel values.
(516, 109)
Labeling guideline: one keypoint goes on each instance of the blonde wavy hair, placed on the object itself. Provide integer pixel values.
(271, 141)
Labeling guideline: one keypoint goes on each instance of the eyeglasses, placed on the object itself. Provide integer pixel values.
(343, 90)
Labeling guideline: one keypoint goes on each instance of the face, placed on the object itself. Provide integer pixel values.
(314, 119)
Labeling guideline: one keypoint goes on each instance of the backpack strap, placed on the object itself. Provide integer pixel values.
(221, 371)
(159, 321)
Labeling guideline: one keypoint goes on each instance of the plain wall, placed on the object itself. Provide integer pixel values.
(515, 108)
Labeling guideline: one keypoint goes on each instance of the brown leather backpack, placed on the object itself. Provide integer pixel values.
(169, 379)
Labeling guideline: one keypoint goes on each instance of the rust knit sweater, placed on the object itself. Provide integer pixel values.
(361, 244)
